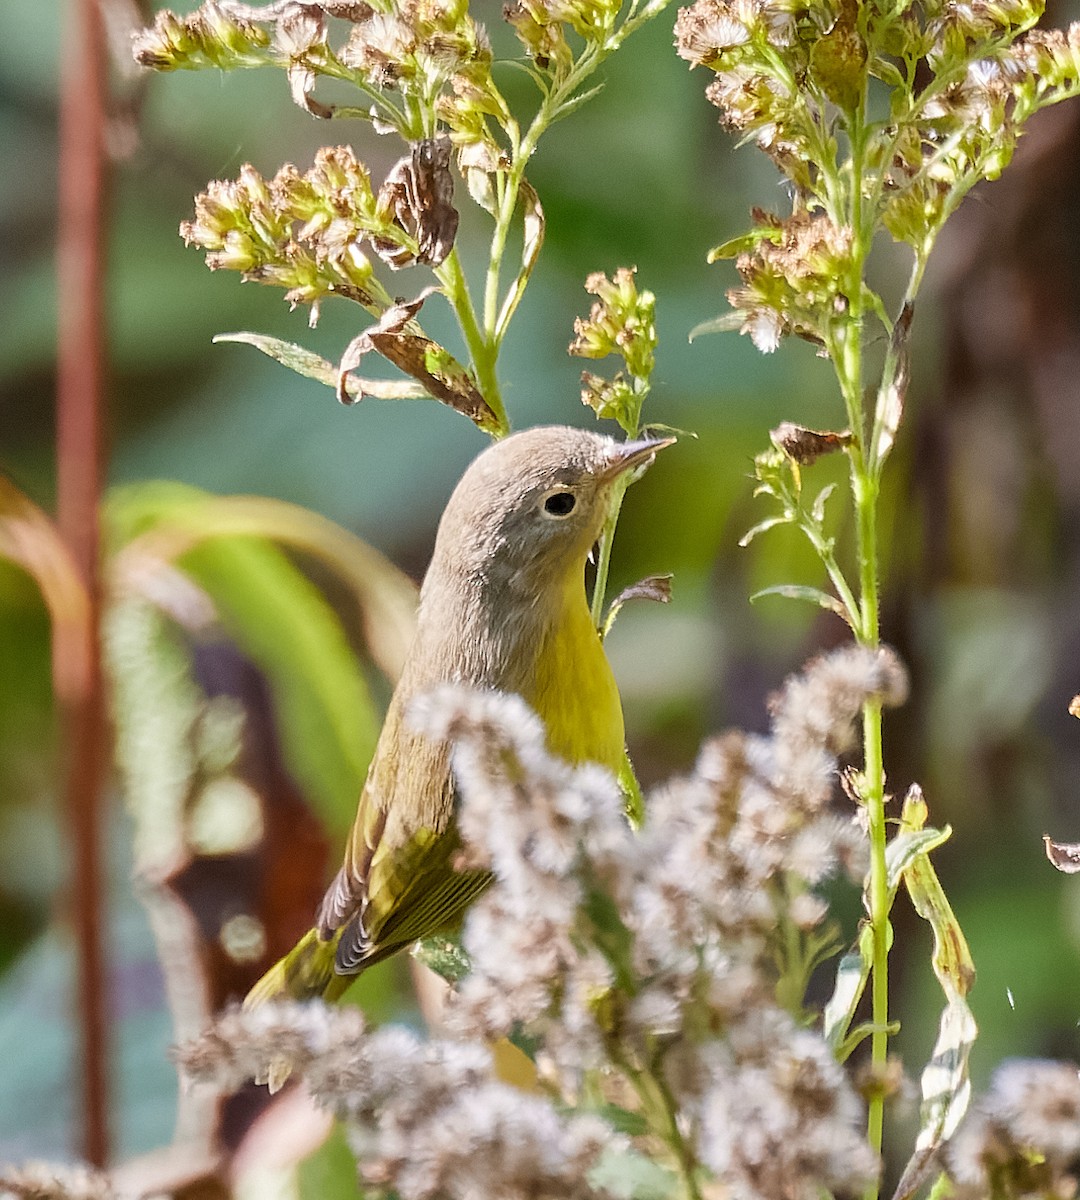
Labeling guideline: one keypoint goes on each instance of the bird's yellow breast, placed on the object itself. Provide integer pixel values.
(574, 691)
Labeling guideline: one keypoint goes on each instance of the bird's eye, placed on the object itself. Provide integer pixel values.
(560, 504)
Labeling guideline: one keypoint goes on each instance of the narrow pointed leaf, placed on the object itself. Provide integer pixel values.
(314, 366)
(796, 591)
(761, 527)
(532, 240)
(725, 323)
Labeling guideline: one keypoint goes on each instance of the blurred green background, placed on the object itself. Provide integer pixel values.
(982, 528)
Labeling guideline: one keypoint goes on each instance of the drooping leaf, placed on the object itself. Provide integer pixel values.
(656, 588)
(945, 1083)
(532, 236)
(30, 539)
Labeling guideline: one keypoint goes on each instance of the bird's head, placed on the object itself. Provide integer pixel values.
(529, 508)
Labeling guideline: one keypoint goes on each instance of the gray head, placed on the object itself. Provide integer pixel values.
(529, 508)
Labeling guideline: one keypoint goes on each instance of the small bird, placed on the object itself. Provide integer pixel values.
(502, 607)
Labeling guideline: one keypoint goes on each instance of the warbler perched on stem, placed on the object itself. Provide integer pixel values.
(502, 606)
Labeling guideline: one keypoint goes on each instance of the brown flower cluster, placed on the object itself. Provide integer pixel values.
(793, 278)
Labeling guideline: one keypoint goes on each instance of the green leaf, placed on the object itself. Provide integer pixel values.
(280, 620)
(798, 591)
(329, 1173)
(633, 1124)
(907, 846)
(313, 366)
(532, 239)
(762, 526)
(443, 955)
(818, 509)
(735, 246)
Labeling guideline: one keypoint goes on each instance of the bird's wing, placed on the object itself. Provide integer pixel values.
(412, 891)
(398, 881)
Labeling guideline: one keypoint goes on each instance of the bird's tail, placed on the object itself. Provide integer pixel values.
(305, 972)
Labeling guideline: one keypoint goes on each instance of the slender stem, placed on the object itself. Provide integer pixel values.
(660, 1110)
(481, 351)
(603, 555)
(865, 494)
(80, 384)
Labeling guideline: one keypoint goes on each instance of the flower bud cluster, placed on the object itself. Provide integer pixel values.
(305, 232)
(621, 322)
(208, 37)
(961, 78)
(299, 232)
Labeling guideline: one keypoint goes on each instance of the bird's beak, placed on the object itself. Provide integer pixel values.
(628, 456)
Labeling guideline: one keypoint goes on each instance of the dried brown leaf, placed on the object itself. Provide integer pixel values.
(1065, 856)
(806, 446)
(419, 191)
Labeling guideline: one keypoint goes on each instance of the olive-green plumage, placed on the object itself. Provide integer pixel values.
(503, 606)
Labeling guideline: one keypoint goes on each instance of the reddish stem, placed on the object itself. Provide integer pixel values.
(80, 377)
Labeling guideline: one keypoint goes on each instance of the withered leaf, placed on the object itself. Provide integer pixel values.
(399, 340)
(1065, 856)
(419, 191)
(301, 85)
(806, 446)
(391, 323)
(654, 587)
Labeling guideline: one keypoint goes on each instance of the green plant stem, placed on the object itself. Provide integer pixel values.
(864, 481)
(482, 351)
(603, 551)
(660, 1110)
